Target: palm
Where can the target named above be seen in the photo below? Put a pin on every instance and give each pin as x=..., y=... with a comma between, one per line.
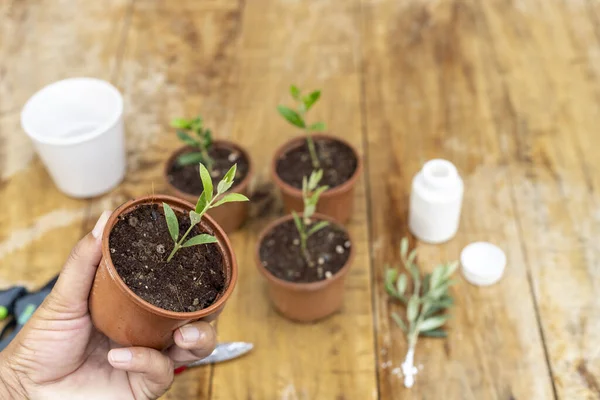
x=69, y=351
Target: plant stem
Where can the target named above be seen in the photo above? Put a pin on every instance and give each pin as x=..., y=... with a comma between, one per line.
x=178, y=244
x=303, y=247
x=408, y=366
x=312, y=150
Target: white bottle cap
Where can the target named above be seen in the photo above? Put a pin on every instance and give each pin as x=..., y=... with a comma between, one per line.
x=482, y=263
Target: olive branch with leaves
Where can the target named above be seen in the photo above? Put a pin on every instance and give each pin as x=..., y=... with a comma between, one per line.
x=206, y=201
x=311, y=192
x=201, y=140
x=425, y=306
x=297, y=118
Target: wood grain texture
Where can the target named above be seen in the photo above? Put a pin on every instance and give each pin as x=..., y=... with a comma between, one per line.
x=508, y=90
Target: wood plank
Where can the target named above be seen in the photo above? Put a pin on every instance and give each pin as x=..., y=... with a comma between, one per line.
x=553, y=86
x=38, y=224
x=332, y=359
x=428, y=95
x=178, y=60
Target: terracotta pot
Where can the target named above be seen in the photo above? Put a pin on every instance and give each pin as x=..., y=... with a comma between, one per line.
x=305, y=302
x=336, y=202
x=230, y=216
x=125, y=317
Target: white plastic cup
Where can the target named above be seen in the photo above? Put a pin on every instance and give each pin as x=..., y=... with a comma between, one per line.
x=76, y=126
x=436, y=202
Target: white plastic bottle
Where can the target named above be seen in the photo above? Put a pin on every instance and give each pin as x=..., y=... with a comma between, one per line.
x=435, y=202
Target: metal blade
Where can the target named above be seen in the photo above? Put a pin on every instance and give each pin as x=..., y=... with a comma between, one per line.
x=224, y=352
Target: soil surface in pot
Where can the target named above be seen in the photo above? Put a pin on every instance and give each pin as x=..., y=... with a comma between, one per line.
x=281, y=255
x=337, y=161
x=187, y=178
x=139, y=246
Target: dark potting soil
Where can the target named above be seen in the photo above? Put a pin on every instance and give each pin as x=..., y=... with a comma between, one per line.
x=281, y=255
x=139, y=246
x=187, y=178
x=338, y=163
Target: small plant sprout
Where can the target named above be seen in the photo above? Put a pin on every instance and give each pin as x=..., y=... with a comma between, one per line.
x=205, y=202
x=201, y=140
x=425, y=306
x=298, y=118
x=310, y=194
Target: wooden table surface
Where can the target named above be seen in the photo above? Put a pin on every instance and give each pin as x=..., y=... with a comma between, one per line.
x=507, y=90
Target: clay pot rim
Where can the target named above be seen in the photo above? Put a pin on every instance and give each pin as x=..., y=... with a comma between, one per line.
x=303, y=286
x=239, y=187
x=225, y=247
x=290, y=144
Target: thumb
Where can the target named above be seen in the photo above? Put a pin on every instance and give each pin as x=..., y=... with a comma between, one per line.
x=75, y=281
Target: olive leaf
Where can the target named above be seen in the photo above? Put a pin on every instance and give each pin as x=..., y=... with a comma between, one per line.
x=311, y=99
x=205, y=202
x=200, y=239
x=429, y=300
x=317, y=126
x=172, y=222
x=190, y=158
x=310, y=198
x=291, y=116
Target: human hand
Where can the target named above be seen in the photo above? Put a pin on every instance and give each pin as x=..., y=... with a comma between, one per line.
x=59, y=353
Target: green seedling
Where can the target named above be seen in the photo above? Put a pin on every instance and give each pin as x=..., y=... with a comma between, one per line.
x=206, y=201
x=200, y=138
x=297, y=118
x=311, y=191
x=426, y=306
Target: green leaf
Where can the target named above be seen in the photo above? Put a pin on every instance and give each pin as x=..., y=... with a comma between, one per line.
x=399, y=322
x=190, y=158
x=437, y=277
x=450, y=269
x=206, y=183
x=314, y=179
x=200, y=239
x=317, y=126
x=304, y=187
x=229, y=198
x=172, y=222
x=436, y=333
x=311, y=99
x=314, y=199
x=438, y=292
x=201, y=204
x=403, y=248
x=401, y=284
x=223, y=186
x=412, y=310
x=291, y=116
x=230, y=175
x=187, y=139
x=295, y=92
x=390, y=279
x=309, y=210
x=181, y=123
x=426, y=283
x=433, y=323
x=317, y=227
x=298, y=222
x=195, y=217
x=412, y=256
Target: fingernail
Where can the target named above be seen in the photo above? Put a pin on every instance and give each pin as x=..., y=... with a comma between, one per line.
x=190, y=333
x=120, y=355
x=99, y=227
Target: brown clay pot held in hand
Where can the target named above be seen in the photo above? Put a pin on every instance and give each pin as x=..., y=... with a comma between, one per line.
x=124, y=316
x=310, y=300
x=229, y=216
x=341, y=166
